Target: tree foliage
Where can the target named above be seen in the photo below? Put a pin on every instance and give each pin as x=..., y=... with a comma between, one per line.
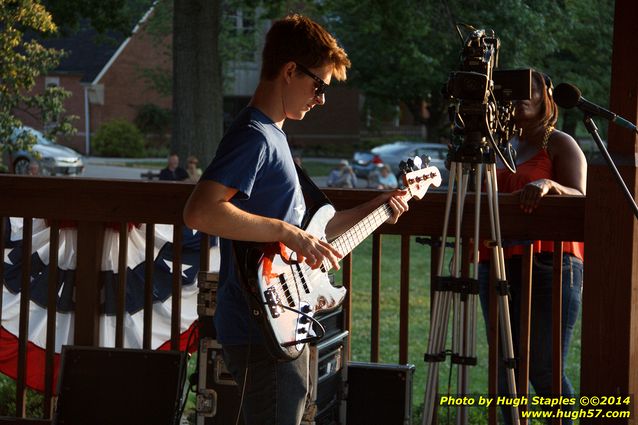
x=386, y=43
x=403, y=50
x=21, y=62
x=103, y=15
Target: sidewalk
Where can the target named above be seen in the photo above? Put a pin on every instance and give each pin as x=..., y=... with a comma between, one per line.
x=96, y=160
x=113, y=168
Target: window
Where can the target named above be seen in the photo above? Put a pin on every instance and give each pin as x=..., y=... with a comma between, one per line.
x=51, y=121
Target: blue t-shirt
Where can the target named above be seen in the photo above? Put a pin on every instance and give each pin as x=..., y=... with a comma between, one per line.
x=254, y=158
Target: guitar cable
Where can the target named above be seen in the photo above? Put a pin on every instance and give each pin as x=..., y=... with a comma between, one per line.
x=322, y=330
x=243, y=385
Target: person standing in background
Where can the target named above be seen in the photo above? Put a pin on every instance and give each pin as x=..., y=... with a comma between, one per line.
x=548, y=161
x=173, y=172
x=194, y=172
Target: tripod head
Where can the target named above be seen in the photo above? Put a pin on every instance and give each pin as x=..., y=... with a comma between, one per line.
x=482, y=109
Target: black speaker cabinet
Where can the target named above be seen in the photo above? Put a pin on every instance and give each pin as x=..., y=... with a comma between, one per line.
x=379, y=394
x=326, y=377
x=218, y=396
x=106, y=386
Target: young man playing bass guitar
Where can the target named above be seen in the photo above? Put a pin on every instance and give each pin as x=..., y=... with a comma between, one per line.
x=251, y=192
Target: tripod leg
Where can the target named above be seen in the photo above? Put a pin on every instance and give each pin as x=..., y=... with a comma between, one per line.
x=459, y=341
x=452, y=290
x=456, y=260
x=446, y=218
x=468, y=310
x=503, y=305
x=441, y=300
x=475, y=258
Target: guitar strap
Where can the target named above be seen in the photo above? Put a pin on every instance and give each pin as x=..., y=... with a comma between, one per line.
x=314, y=197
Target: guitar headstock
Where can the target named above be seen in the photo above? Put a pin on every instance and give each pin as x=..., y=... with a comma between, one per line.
x=418, y=181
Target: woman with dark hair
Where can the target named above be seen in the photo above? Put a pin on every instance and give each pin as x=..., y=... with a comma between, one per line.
x=548, y=161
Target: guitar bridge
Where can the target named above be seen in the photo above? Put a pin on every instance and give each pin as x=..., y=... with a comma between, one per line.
x=273, y=301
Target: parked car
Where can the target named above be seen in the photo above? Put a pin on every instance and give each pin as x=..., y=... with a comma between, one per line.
x=366, y=163
x=52, y=158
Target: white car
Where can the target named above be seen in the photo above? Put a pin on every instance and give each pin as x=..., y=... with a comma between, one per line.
x=365, y=163
x=53, y=159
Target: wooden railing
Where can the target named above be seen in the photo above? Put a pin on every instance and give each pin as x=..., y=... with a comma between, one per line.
x=93, y=203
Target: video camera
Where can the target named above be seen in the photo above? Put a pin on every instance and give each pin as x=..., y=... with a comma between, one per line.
x=483, y=110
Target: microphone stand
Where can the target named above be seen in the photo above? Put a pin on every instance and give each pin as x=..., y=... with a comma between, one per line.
x=593, y=130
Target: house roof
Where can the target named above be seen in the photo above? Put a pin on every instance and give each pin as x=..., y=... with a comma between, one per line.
x=87, y=52
x=90, y=53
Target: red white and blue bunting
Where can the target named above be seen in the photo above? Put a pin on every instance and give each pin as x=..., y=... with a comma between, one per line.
x=134, y=313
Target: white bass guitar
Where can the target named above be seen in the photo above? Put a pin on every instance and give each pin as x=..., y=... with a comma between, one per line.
x=285, y=295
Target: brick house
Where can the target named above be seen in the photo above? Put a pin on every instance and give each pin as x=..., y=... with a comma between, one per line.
x=106, y=82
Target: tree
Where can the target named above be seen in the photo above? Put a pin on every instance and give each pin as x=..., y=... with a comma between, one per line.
x=583, y=56
x=21, y=62
x=206, y=39
x=197, y=78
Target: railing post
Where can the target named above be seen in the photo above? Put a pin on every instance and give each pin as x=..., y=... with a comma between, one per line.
x=609, y=359
x=346, y=275
x=176, y=297
x=88, y=283
x=525, y=318
x=148, y=285
x=557, y=317
x=52, y=301
x=375, y=304
x=23, y=336
x=120, y=297
x=404, y=311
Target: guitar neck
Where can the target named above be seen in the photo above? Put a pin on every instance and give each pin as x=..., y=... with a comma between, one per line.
x=351, y=238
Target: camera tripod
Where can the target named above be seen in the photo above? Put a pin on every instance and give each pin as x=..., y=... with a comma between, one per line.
x=461, y=293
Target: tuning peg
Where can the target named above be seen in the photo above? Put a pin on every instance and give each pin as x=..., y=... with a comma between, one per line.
x=418, y=162
x=403, y=166
x=411, y=164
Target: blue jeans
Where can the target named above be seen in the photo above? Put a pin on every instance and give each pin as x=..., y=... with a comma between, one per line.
x=540, y=360
x=276, y=392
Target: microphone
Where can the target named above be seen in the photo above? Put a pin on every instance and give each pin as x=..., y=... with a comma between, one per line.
x=567, y=96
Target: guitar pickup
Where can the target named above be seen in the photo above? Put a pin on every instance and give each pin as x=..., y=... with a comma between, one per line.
x=284, y=286
x=302, y=278
x=273, y=301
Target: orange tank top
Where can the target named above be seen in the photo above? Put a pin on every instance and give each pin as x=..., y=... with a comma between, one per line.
x=538, y=167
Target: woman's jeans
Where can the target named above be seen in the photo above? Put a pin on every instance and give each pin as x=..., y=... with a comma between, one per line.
x=540, y=360
x=276, y=392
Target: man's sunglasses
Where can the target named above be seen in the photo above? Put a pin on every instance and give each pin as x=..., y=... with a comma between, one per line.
x=320, y=89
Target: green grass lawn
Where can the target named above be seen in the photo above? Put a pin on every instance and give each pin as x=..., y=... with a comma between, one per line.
x=419, y=325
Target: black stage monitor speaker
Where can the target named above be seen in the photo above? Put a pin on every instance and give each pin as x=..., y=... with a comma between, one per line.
x=379, y=394
x=106, y=386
